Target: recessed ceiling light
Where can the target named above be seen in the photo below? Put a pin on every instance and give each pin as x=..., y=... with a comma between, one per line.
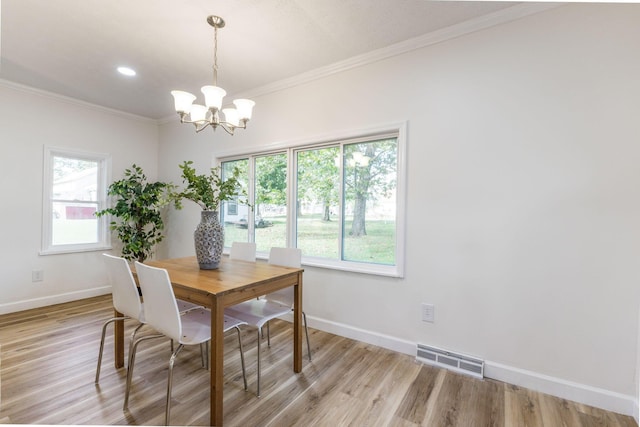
x=127, y=71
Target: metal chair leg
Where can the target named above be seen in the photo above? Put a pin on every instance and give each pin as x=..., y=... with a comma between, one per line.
x=133, y=337
x=244, y=373
x=132, y=359
x=306, y=331
x=268, y=335
x=169, y=384
x=104, y=332
x=258, y=386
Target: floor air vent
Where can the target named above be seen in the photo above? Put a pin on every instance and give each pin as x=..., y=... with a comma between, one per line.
x=449, y=360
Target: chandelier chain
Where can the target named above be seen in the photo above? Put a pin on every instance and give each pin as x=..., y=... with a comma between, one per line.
x=215, y=56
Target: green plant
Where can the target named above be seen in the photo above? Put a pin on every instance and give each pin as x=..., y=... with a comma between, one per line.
x=209, y=190
x=137, y=212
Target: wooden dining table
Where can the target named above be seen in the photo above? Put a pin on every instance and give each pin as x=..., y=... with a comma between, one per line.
x=233, y=282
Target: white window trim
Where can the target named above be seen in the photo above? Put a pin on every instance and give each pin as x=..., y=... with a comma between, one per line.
x=104, y=176
x=399, y=128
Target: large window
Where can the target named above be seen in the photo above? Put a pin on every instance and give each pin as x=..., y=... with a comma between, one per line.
x=74, y=189
x=339, y=202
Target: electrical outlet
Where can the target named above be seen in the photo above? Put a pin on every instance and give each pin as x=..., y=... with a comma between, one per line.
x=428, y=313
x=37, y=275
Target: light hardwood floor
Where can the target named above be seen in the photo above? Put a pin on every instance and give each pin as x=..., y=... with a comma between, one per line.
x=48, y=358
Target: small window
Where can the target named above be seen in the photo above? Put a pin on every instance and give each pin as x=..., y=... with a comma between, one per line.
x=74, y=190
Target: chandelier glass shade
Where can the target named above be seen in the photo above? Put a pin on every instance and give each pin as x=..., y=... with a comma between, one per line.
x=208, y=114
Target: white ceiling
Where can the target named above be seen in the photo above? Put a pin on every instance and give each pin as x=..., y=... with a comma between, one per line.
x=72, y=47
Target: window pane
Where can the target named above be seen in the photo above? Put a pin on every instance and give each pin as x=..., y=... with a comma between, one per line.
x=75, y=182
x=235, y=213
x=74, y=223
x=369, y=228
x=75, y=179
x=271, y=202
x=318, y=202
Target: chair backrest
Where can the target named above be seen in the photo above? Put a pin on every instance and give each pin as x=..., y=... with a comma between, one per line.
x=160, y=306
x=245, y=251
x=126, y=299
x=288, y=257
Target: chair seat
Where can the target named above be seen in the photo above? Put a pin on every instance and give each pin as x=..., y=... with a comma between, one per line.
x=257, y=312
x=184, y=306
x=231, y=322
x=196, y=326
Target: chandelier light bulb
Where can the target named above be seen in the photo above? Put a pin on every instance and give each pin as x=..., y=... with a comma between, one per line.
x=213, y=96
x=183, y=100
x=198, y=113
x=244, y=107
x=231, y=116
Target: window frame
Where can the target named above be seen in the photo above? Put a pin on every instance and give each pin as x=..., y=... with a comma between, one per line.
x=397, y=130
x=104, y=175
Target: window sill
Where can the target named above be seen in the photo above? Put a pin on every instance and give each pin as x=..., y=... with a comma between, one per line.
x=352, y=267
x=355, y=267
x=71, y=250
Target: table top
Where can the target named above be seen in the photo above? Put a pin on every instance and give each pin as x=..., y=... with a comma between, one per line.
x=231, y=276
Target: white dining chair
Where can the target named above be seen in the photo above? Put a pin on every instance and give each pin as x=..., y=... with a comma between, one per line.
x=190, y=328
x=258, y=312
x=245, y=251
x=126, y=300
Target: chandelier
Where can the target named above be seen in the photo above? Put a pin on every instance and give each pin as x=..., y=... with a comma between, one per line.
x=209, y=114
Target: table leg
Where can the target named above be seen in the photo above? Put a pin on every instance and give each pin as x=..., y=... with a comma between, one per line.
x=216, y=362
x=118, y=340
x=297, y=325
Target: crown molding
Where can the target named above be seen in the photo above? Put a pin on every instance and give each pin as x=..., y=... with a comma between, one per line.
x=480, y=23
x=73, y=101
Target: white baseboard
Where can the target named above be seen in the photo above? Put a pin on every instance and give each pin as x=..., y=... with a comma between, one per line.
x=53, y=299
x=369, y=337
x=585, y=394
x=588, y=395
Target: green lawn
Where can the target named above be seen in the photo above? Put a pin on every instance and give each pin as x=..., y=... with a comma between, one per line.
x=320, y=238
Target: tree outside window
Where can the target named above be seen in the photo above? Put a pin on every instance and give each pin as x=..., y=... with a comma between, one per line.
x=370, y=201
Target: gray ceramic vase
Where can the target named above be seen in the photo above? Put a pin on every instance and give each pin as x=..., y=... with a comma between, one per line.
x=209, y=240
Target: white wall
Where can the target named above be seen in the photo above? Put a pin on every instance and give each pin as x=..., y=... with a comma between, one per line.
x=28, y=121
x=523, y=197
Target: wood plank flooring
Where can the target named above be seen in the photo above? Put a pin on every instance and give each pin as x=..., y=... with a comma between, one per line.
x=48, y=358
